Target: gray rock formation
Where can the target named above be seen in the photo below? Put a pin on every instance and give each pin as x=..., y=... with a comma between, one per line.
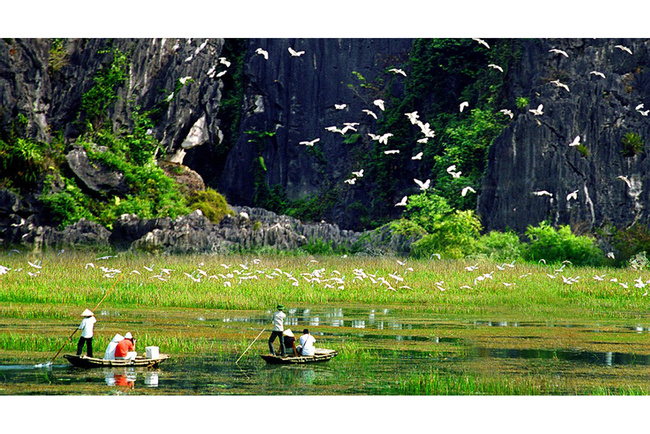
x=533, y=154
x=95, y=175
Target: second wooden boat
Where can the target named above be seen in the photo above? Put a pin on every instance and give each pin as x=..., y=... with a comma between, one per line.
x=95, y=362
x=321, y=355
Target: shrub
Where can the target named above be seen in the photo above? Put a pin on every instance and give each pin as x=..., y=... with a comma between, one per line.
x=212, y=204
x=559, y=245
x=407, y=228
x=501, y=246
x=455, y=237
x=521, y=102
x=628, y=242
x=632, y=144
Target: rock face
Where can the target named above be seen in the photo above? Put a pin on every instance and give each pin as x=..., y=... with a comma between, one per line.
x=591, y=186
x=95, y=176
x=294, y=99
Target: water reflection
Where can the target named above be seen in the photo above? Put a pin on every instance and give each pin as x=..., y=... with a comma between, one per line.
x=591, y=357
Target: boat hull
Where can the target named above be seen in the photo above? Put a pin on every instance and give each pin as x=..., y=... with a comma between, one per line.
x=321, y=355
x=94, y=362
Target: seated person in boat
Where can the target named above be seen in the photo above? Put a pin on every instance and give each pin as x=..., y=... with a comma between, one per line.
x=289, y=341
x=307, y=341
x=109, y=354
x=125, y=348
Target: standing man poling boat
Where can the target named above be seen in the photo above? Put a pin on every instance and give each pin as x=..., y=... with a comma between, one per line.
x=278, y=328
x=86, y=327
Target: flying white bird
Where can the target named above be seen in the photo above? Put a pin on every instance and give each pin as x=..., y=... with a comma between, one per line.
x=423, y=140
x=621, y=47
x=384, y=138
x=423, y=185
x=402, y=202
x=466, y=190
x=482, y=42
x=295, y=53
x=576, y=141
x=392, y=151
x=452, y=171
x=358, y=174
x=369, y=113
x=262, y=53
x=413, y=117
x=397, y=71
x=463, y=105
x=611, y=255
x=418, y=156
x=639, y=107
x=351, y=181
x=507, y=113
x=538, y=111
x=309, y=143
x=573, y=195
x=335, y=129
x=556, y=51
x=379, y=103
x=497, y=67
x=599, y=74
x=625, y=179
x=542, y=193
x=36, y=265
x=222, y=73
x=558, y=84
x=340, y=106
x=224, y=61
x=183, y=80
x=644, y=112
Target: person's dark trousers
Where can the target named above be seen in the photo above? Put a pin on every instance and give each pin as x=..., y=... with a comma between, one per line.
x=276, y=334
x=89, y=346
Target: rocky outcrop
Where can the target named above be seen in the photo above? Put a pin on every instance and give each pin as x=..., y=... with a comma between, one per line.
x=590, y=186
x=95, y=175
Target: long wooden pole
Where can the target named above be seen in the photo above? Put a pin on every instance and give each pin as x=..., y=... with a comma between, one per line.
x=75, y=330
x=258, y=336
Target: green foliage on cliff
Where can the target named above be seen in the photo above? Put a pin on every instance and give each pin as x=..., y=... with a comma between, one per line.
x=555, y=245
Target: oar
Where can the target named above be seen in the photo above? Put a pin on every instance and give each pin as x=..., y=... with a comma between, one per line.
x=258, y=336
x=75, y=330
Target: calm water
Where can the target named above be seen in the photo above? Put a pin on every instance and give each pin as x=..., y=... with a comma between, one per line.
x=398, y=344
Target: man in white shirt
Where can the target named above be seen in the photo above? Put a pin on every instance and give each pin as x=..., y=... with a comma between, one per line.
x=307, y=342
x=278, y=328
x=86, y=328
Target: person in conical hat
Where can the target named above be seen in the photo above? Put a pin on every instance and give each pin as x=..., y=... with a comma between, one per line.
x=125, y=349
x=289, y=341
x=86, y=327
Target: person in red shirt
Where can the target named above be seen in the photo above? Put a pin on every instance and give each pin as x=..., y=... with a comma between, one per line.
x=125, y=346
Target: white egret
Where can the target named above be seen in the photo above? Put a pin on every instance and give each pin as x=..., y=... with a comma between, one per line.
x=262, y=53
x=452, y=171
x=573, y=195
x=351, y=181
x=542, y=193
x=423, y=140
x=384, y=138
x=624, y=48
x=639, y=107
x=391, y=151
x=497, y=67
x=309, y=142
x=559, y=84
x=463, y=105
x=482, y=42
x=599, y=74
x=340, y=106
x=538, y=111
x=417, y=156
x=556, y=51
x=397, y=71
x=295, y=53
x=507, y=112
x=466, y=190
x=576, y=141
x=358, y=174
x=224, y=61
x=402, y=202
x=379, y=103
x=369, y=113
x=413, y=117
x=423, y=185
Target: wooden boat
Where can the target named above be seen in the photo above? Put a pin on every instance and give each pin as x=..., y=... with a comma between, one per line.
x=95, y=362
x=320, y=355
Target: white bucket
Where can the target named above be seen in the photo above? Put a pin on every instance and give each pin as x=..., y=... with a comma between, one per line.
x=152, y=352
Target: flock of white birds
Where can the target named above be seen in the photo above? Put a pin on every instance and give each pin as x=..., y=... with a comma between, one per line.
x=315, y=276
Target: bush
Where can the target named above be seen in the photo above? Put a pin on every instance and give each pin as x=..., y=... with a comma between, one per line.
x=212, y=204
x=501, y=246
x=632, y=144
x=559, y=245
x=455, y=237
